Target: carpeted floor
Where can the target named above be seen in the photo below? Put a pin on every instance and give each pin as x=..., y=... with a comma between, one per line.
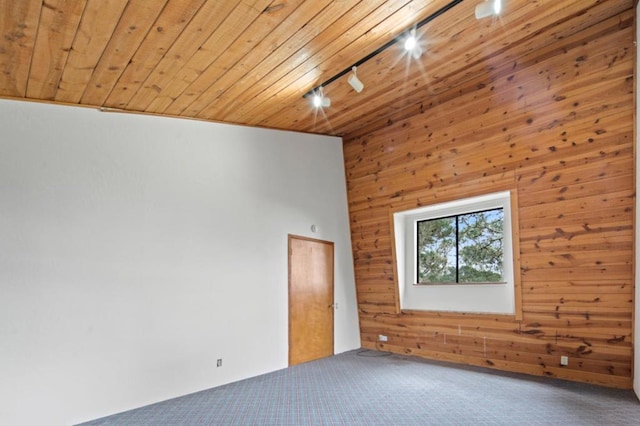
x=368, y=388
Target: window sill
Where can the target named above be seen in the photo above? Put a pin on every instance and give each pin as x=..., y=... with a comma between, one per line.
x=460, y=314
x=456, y=284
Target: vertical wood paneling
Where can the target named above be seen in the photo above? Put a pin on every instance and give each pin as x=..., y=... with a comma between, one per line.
x=559, y=121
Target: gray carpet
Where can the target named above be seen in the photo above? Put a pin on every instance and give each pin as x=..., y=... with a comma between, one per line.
x=366, y=388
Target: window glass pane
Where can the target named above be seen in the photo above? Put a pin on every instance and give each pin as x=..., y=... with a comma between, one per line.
x=437, y=250
x=480, y=246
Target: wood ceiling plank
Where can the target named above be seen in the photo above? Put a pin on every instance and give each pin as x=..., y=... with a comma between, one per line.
x=59, y=20
x=235, y=37
x=449, y=40
x=340, y=34
x=520, y=55
x=269, y=53
x=334, y=53
x=171, y=23
x=230, y=66
x=575, y=21
x=18, y=27
x=208, y=18
x=556, y=26
x=389, y=75
x=182, y=57
x=98, y=21
x=136, y=22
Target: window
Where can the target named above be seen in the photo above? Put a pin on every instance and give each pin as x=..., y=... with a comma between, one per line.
x=456, y=256
x=464, y=248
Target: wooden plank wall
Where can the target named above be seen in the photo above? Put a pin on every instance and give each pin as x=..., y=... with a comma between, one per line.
x=556, y=127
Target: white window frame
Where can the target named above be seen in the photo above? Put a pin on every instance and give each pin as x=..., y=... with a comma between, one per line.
x=487, y=298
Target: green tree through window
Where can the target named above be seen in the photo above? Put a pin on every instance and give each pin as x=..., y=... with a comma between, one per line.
x=465, y=248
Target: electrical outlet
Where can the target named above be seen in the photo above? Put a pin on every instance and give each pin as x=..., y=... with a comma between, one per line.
x=382, y=338
x=564, y=360
x=219, y=362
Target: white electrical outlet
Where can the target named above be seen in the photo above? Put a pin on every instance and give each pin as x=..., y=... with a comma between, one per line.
x=382, y=338
x=564, y=360
x=219, y=362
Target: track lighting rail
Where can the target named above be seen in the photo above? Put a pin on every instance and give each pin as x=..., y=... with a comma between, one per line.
x=384, y=47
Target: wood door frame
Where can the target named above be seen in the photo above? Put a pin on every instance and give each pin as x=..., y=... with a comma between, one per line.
x=331, y=288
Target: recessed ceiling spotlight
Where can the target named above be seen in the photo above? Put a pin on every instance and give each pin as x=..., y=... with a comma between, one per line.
x=355, y=82
x=488, y=8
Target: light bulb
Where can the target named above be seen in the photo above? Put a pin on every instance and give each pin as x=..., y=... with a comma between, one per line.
x=410, y=43
x=497, y=6
x=320, y=101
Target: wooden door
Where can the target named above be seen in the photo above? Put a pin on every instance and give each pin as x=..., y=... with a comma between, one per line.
x=310, y=299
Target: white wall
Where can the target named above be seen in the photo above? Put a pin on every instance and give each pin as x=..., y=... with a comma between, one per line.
x=636, y=332
x=136, y=250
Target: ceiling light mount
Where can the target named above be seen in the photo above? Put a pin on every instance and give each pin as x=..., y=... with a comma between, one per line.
x=410, y=42
x=354, y=81
x=412, y=46
x=319, y=100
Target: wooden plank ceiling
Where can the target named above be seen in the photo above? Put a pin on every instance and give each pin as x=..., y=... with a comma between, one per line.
x=251, y=61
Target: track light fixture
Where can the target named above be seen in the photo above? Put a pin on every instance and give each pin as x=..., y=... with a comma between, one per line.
x=412, y=46
x=410, y=42
x=415, y=51
x=355, y=82
x=320, y=100
x=488, y=8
